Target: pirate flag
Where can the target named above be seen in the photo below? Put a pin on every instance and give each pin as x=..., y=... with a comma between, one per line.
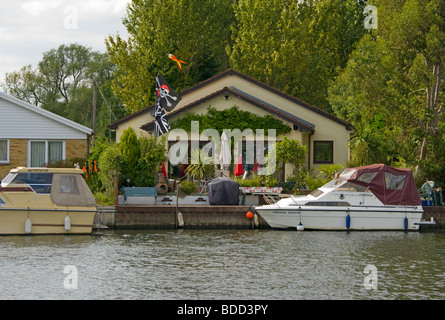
x=165, y=95
x=161, y=122
x=166, y=100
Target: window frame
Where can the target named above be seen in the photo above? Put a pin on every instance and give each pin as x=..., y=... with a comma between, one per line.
x=7, y=161
x=316, y=144
x=46, y=149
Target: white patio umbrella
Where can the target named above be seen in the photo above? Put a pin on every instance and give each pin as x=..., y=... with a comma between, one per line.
x=224, y=154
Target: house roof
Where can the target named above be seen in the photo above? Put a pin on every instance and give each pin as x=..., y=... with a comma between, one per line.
x=45, y=113
x=302, y=124
x=242, y=95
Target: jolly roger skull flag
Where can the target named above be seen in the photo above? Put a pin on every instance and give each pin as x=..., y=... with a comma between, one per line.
x=166, y=100
x=161, y=122
x=166, y=97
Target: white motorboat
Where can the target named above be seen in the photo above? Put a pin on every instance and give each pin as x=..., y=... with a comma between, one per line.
x=374, y=197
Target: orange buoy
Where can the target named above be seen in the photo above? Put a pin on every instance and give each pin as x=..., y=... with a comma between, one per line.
x=249, y=215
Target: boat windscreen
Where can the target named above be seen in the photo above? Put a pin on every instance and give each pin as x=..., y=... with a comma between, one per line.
x=352, y=187
x=333, y=183
x=38, y=181
x=347, y=173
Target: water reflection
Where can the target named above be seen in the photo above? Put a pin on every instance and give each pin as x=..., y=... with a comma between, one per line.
x=224, y=264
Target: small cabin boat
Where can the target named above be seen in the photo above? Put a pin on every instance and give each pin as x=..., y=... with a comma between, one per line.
x=374, y=197
x=46, y=201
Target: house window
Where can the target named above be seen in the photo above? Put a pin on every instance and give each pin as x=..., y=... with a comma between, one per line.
x=323, y=151
x=4, y=151
x=41, y=152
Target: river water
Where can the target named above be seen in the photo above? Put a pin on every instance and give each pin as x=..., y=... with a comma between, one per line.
x=224, y=264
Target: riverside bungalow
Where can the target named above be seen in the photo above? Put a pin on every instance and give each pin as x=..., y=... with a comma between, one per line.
x=325, y=135
x=31, y=136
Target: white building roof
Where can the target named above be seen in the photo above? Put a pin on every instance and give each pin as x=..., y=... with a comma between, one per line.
x=21, y=120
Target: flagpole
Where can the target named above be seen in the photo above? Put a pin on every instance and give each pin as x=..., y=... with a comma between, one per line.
x=166, y=101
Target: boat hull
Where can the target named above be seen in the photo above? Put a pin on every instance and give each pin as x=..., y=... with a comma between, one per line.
x=44, y=221
x=342, y=219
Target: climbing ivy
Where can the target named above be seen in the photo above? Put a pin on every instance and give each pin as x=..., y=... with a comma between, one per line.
x=232, y=118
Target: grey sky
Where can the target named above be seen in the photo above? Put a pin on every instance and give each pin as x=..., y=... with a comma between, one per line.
x=28, y=28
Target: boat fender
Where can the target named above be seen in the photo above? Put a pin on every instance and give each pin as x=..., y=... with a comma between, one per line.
x=348, y=221
x=300, y=227
x=256, y=220
x=180, y=220
x=28, y=225
x=405, y=223
x=67, y=223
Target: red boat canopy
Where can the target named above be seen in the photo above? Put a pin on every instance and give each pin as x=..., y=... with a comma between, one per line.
x=390, y=185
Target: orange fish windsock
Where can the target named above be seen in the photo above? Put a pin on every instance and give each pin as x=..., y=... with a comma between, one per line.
x=176, y=59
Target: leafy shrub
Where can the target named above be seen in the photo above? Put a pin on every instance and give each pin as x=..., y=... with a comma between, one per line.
x=188, y=187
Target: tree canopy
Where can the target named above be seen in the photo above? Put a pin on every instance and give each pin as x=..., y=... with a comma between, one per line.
x=62, y=83
x=296, y=46
x=392, y=88
x=195, y=31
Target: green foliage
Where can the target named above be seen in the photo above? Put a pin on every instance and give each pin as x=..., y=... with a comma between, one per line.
x=153, y=153
x=293, y=45
x=392, y=88
x=270, y=181
x=290, y=151
x=110, y=162
x=314, y=182
x=252, y=181
x=195, y=31
x=62, y=83
x=130, y=150
x=91, y=175
x=188, y=187
x=293, y=152
x=232, y=118
x=141, y=158
x=328, y=170
x=257, y=181
x=141, y=165
x=283, y=43
x=200, y=165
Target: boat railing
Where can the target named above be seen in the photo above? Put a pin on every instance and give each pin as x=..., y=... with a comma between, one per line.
x=273, y=198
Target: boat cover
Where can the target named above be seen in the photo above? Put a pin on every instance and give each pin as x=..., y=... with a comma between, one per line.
x=223, y=191
x=71, y=190
x=390, y=185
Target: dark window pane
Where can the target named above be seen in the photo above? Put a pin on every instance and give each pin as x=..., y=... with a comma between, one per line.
x=323, y=151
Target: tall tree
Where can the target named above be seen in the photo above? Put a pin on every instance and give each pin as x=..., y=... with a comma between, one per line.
x=396, y=76
x=193, y=30
x=296, y=46
x=62, y=83
x=25, y=84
